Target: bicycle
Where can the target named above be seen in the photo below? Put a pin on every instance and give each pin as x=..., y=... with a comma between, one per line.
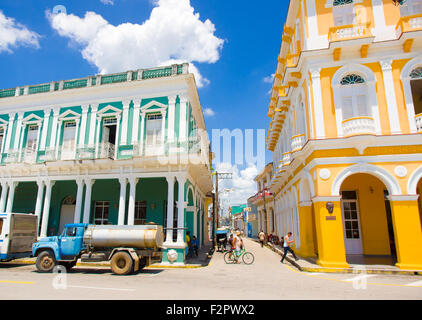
x=247, y=257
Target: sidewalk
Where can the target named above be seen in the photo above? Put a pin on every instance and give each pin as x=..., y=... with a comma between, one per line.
x=194, y=262
x=310, y=265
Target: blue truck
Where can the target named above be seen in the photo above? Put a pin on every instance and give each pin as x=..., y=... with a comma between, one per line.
x=128, y=248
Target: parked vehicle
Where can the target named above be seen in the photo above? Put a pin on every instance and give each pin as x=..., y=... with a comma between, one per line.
x=18, y=233
x=128, y=248
x=222, y=238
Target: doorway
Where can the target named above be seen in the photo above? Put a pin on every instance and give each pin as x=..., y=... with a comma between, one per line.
x=351, y=222
x=108, y=141
x=67, y=213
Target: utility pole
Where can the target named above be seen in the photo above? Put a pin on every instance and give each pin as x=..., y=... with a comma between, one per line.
x=224, y=176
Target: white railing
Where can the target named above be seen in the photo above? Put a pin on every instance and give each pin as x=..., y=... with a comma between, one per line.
x=12, y=156
x=287, y=158
x=67, y=154
x=416, y=23
x=107, y=150
x=352, y=32
x=358, y=125
x=298, y=142
x=29, y=155
x=418, y=119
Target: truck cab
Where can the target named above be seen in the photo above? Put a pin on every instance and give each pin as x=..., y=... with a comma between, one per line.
x=64, y=249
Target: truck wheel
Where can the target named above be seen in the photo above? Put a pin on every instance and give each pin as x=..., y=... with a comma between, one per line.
x=122, y=263
x=45, y=262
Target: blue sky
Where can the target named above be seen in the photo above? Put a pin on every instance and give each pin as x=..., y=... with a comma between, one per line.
x=233, y=71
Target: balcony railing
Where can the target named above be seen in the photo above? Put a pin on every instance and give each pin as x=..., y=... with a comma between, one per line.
x=29, y=155
x=194, y=146
x=409, y=23
x=418, y=119
x=287, y=158
x=349, y=32
x=138, y=75
x=298, y=142
x=107, y=150
x=358, y=125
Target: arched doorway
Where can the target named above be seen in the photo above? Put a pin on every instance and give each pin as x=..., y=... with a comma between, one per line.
x=367, y=221
x=67, y=212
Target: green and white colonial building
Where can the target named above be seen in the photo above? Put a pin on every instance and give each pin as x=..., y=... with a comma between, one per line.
x=122, y=149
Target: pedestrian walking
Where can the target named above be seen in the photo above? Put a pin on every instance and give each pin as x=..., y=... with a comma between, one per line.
x=194, y=245
x=286, y=246
x=261, y=237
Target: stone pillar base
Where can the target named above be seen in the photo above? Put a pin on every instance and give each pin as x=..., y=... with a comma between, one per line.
x=174, y=253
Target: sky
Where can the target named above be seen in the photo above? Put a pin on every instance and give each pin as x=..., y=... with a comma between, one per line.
x=232, y=47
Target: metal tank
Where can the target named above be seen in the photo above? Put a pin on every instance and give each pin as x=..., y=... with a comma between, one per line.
x=140, y=237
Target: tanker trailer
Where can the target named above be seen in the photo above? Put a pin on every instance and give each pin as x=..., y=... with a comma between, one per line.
x=128, y=248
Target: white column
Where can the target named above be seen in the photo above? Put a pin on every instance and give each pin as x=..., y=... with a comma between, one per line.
x=60, y=124
x=12, y=188
x=97, y=140
x=131, y=210
x=125, y=121
x=393, y=114
x=142, y=142
x=9, y=131
x=56, y=112
x=46, y=212
x=79, y=196
x=116, y=148
x=45, y=128
x=163, y=127
x=38, y=204
x=21, y=131
x=88, y=192
x=183, y=118
x=92, y=125
x=195, y=222
x=318, y=108
x=122, y=201
x=3, y=199
x=82, y=131
x=201, y=228
x=170, y=209
x=181, y=209
x=172, y=111
x=135, y=126
x=18, y=131
x=75, y=150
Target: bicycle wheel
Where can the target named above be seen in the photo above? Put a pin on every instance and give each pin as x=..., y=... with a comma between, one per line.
x=248, y=258
x=229, y=257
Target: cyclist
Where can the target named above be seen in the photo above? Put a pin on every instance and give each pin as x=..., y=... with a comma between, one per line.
x=237, y=246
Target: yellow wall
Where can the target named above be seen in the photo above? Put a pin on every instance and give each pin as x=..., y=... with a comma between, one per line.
x=391, y=13
x=373, y=216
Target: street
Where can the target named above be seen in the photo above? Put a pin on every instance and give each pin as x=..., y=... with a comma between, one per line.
x=266, y=279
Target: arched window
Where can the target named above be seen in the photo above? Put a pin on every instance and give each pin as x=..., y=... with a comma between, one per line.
x=354, y=97
x=416, y=73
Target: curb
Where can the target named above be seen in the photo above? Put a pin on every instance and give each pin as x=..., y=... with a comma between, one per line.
x=343, y=270
x=92, y=264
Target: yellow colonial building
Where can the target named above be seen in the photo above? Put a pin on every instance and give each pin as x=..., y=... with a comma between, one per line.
x=345, y=131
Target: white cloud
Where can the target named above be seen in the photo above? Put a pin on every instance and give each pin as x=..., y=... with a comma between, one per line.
x=269, y=79
x=242, y=182
x=107, y=2
x=208, y=112
x=173, y=33
x=13, y=34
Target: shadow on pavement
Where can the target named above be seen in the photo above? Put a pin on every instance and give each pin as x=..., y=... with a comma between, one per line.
x=202, y=259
